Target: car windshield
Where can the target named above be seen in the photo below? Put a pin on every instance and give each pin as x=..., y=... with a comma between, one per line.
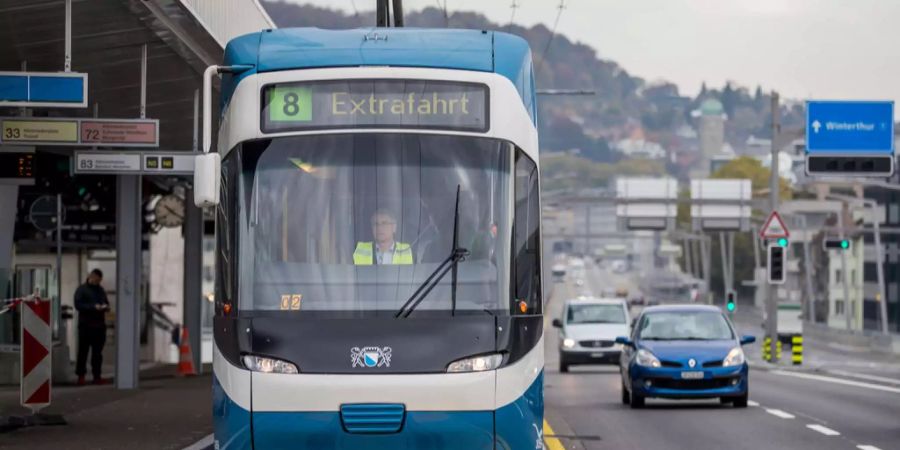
x=684, y=325
x=595, y=314
x=357, y=222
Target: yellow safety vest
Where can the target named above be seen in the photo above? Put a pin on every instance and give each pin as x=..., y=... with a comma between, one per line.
x=364, y=256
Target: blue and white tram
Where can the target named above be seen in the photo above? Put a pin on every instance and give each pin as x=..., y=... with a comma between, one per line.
x=378, y=241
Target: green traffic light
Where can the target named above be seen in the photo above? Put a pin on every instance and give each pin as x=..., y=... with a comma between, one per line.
x=783, y=242
x=730, y=306
x=845, y=244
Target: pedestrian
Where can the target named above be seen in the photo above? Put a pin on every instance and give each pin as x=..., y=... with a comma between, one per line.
x=92, y=304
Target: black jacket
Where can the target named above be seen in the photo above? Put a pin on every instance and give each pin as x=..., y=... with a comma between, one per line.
x=87, y=297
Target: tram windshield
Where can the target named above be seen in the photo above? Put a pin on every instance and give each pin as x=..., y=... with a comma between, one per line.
x=358, y=222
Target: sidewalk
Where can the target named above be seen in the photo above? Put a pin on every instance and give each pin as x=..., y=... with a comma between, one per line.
x=167, y=412
x=819, y=355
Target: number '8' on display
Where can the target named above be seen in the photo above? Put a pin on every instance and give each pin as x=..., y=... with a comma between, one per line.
x=290, y=104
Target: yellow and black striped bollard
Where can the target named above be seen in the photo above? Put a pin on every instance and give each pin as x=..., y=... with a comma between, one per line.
x=766, y=354
x=797, y=349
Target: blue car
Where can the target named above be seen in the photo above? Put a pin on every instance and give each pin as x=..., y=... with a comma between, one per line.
x=684, y=352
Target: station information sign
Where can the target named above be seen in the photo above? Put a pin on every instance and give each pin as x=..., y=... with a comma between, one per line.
x=134, y=163
x=44, y=89
x=17, y=168
x=31, y=131
x=80, y=132
x=375, y=103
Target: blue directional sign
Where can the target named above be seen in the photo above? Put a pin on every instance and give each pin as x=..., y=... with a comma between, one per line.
x=43, y=89
x=850, y=127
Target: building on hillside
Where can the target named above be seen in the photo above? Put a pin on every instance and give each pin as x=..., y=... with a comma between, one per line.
x=639, y=148
x=757, y=147
x=711, y=130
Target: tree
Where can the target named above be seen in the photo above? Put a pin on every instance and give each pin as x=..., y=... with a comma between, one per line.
x=750, y=168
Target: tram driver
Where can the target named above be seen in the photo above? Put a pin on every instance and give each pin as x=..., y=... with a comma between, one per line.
x=384, y=249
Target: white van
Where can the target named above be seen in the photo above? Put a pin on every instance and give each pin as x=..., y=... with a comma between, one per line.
x=588, y=329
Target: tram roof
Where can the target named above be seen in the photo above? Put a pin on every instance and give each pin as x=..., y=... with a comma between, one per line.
x=309, y=48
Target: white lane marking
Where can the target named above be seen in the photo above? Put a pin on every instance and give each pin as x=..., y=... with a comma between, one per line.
x=864, y=376
x=780, y=413
x=867, y=447
x=202, y=444
x=752, y=403
x=823, y=429
x=876, y=387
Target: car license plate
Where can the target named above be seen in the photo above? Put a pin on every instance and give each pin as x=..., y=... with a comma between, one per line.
x=598, y=355
x=691, y=375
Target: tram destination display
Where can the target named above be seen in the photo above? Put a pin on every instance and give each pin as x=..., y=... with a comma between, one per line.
x=382, y=103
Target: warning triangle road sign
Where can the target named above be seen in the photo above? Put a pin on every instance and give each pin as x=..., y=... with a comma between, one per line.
x=774, y=227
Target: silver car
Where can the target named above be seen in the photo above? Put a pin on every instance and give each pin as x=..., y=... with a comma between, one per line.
x=588, y=329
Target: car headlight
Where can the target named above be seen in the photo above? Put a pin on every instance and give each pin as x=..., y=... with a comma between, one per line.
x=735, y=358
x=476, y=364
x=268, y=365
x=568, y=343
x=646, y=359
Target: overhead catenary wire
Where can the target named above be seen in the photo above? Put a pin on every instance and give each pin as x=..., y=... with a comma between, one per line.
x=356, y=12
x=559, y=9
x=512, y=17
x=443, y=9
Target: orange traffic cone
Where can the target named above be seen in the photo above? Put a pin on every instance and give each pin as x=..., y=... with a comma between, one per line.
x=185, y=356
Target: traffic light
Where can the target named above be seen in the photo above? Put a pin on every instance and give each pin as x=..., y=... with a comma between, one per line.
x=836, y=244
x=730, y=301
x=783, y=242
x=776, y=262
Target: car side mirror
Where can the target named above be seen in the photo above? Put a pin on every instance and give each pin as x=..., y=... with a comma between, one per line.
x=633, y=322
x=557, y=323
x=624, y=341
x=747, y=339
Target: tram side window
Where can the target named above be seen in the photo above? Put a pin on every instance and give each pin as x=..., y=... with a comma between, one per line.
x=224, y=282
x=526, y=239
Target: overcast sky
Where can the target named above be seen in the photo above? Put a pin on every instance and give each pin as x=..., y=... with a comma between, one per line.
x=834, y=49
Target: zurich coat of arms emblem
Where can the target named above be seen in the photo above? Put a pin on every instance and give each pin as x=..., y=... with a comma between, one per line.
x=370, y=357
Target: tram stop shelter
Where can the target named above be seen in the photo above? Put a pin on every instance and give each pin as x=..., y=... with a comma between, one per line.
x=139, y=62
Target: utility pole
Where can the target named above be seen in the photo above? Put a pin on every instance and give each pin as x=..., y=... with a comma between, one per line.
x=774, y=193
x=844, y=268
x=807, y=257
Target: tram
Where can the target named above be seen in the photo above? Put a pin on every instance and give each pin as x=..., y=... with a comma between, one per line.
x=378, y=279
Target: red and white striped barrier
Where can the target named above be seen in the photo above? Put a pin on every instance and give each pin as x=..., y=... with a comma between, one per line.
x=35, y=357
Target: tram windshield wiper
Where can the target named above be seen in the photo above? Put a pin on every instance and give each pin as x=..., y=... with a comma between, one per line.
x=457, y=254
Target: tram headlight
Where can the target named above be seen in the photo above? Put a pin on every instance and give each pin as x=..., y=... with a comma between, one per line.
x=268, y=365
x=476, y=364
